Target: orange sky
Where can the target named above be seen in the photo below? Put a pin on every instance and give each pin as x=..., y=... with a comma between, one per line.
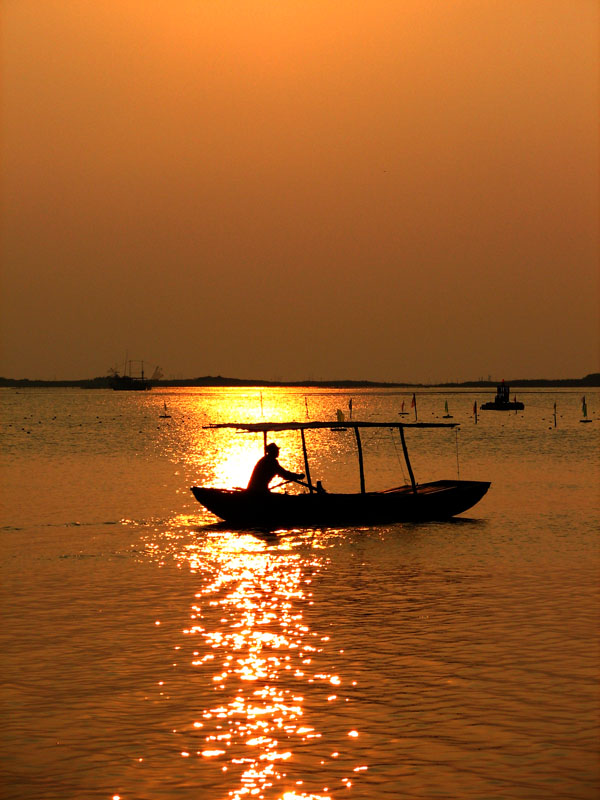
x=281, y=189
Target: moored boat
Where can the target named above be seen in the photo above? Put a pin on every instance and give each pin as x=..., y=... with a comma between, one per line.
x=436, y=500
x=127, y=381
x=502, y=401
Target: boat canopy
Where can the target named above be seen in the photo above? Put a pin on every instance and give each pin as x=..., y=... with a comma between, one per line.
x=265, y=427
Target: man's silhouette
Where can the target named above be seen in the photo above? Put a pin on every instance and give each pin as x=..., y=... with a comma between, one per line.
x=267, y=468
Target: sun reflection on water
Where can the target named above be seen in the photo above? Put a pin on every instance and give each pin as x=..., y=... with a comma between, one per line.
x=248, y=638
x=265, y=678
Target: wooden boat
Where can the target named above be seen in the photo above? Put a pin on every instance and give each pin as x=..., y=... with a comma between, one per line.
x=502, y=401
x=437, y=500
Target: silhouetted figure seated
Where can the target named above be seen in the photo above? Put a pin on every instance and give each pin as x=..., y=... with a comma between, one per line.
x=267, y=468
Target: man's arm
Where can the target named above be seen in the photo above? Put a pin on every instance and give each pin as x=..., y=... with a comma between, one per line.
x=290, y=476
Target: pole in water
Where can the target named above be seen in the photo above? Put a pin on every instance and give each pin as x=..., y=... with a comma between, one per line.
x=555, y=415
x=306, y=405
x=262, y=412
x=475, y=411
x=584, y=411
x=414, y=405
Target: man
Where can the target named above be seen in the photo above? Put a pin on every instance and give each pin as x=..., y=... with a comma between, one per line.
x=267, y=468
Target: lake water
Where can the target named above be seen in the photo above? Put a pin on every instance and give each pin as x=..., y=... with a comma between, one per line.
x=149, y=655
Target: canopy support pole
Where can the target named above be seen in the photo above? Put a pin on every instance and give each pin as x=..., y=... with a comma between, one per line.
x=265, y=442
x=406, y=458
x=361, y=466
x=306, y=467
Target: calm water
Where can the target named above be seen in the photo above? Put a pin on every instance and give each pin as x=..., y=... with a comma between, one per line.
x=149, y=655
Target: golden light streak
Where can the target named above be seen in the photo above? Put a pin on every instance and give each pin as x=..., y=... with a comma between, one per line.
x=250, y=640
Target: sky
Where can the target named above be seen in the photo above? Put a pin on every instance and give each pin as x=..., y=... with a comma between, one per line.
x=387, y=190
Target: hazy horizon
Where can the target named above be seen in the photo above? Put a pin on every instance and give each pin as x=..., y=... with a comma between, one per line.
x=259, y=380
x=301, y=191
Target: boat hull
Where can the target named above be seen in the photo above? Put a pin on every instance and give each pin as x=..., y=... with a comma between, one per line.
x=439, y=500
x=511, y=406
x=125, y=383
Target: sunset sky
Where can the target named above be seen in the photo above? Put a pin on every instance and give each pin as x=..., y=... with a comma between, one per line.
x=376, y=189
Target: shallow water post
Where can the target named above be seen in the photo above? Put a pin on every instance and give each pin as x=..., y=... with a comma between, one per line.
x=306, y=467
x=406, y=458
x=361, y=466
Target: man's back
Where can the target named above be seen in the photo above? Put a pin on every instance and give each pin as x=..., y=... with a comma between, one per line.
x=266, y=469
x=263, y=473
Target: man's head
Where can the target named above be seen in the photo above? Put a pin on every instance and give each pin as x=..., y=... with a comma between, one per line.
x=272, y=450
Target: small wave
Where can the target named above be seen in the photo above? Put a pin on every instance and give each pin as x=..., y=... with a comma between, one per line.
x=12, y=528
x=81, y=555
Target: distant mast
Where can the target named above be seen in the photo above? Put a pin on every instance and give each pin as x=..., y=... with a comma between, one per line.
x=129, y=382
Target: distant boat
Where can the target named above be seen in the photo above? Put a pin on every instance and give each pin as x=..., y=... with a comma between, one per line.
x=166, y=415
x=127, y=381
x=403, y=413
x=414, y=502
x=584, y=411
x=447, y=415
x=502, y=401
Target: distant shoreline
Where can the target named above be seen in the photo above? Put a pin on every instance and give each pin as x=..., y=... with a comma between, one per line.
x=209, y=381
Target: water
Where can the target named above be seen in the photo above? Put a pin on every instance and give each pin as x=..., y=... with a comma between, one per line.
x=149, y=655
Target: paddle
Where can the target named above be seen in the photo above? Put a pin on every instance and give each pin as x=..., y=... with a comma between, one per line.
x=282, y=483
x=292, y=480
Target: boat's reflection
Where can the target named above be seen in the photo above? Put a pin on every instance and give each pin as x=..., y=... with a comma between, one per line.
x=268, y=535
x=277, y=536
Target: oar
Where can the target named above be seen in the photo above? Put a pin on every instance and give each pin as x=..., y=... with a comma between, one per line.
x=292, y=480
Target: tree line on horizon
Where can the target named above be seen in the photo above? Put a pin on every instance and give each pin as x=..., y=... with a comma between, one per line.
x=103, y=382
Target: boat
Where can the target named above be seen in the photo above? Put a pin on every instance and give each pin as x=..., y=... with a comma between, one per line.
x=127, y=381
x=502, y=401
x=414, y=502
